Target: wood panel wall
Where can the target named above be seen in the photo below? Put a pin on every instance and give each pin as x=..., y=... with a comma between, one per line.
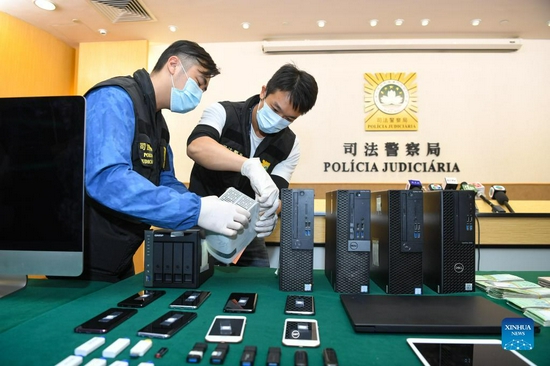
x=98, y=61
x=34, y=63
x=514, y=191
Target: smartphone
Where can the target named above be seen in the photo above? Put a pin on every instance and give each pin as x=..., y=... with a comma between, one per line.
x=141, y=299
x=241, y=302
x=299, y=304
x=190, y=300
x=105, y=321
x=167, y=325
x=301, y=333
x=229, y=329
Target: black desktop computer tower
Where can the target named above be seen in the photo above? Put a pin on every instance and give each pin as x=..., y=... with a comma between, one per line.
x=296, y=247
x=176, y=259
x=347, y=240
x=449, y=245
x=397, y=233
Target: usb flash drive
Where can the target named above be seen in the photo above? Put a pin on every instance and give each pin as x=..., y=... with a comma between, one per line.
x=218, y=355
x=329, y=357
x=71, y=361
x=196, y=354
x=300, y=358
x=88, y=347
x=116, y=347
x=273, y=356
x=248, y=356
x=141, y=348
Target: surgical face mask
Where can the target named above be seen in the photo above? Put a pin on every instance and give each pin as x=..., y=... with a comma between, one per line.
x=187, y=99
x=270, y=122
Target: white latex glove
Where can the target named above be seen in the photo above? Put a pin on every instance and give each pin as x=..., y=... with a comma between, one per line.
x=267, y=193
x=264, y=227
x=222, y=217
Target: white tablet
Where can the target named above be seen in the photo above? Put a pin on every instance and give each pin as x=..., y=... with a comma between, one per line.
x=471, y=352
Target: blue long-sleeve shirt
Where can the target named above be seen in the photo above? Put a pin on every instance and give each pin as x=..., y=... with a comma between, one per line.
x=109, y=178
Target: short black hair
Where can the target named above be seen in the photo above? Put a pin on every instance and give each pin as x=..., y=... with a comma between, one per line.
x=188, y=50
x=300, y=85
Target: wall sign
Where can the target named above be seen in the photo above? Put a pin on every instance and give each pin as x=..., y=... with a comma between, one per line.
x=391, y=102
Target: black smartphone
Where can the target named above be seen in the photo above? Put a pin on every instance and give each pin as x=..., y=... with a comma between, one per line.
x=141, y=299
x=167, y=325
x=190, y=300
x=241, y=302
x=299, y=304
x=105, y=321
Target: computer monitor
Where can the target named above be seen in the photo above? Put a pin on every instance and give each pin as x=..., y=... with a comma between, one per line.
x=41, y=188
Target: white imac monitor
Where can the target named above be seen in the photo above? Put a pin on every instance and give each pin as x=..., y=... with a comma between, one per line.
x=41, y=188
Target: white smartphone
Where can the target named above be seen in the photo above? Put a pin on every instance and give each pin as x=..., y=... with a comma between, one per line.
x=229, y=329
x=301, y=333
x=471, y=352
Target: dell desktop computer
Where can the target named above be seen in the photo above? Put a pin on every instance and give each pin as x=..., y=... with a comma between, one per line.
x=347, y=240
x=449, y=241
x=296, y=246
x=397, y=233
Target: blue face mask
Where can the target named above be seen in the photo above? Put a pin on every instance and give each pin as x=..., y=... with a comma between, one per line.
x=270, y=122
x=187, y=99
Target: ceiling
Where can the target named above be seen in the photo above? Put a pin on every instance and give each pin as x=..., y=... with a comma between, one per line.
x=210, y=21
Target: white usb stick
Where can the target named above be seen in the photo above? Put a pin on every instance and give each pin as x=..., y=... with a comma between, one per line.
x=141, y=348
x=116, y=347
x=119, y=363
x=72, y=360
x=97, y=362
x=88, y=347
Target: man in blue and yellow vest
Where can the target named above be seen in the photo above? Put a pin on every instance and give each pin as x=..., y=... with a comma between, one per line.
x=130, y=180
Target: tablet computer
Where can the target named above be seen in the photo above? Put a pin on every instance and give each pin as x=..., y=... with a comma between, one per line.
x=470, y=352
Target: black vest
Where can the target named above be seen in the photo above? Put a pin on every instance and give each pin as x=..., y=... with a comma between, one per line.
x=235, y=136
x=112, y=238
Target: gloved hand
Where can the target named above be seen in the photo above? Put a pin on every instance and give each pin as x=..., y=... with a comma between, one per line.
x=267, y=193
x=222, y=217
x=264, y=227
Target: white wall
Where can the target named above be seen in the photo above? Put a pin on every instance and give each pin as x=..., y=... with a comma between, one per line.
x=488, y=111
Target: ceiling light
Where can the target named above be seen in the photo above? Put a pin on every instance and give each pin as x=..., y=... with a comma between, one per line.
x=172, y=28
x=321, y=23
x=102, y=31
x=548, y=23
x=399, y=22
x=245, y=25
x=373, y=22
x=475, y=22
x=44, y=4
x=425, y=22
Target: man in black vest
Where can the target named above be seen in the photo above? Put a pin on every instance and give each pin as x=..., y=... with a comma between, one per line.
x=130, y=180
x=249, y=145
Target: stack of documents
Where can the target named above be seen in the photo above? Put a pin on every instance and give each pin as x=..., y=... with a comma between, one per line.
x=544, y=281
x=505, y=286
x=541, y=316
x=525, y=303
x=485, y=281
x=505, y=290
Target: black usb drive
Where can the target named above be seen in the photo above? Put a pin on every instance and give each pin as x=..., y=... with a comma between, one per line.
x=329, y=357
x=249, y=354
x=273, y=356
x=218, y=354
x=196, y=354
x=300, y=358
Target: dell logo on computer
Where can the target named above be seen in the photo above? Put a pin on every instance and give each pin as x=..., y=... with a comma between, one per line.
x=459, y=268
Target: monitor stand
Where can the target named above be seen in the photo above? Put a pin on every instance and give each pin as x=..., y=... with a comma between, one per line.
x=11, y=283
